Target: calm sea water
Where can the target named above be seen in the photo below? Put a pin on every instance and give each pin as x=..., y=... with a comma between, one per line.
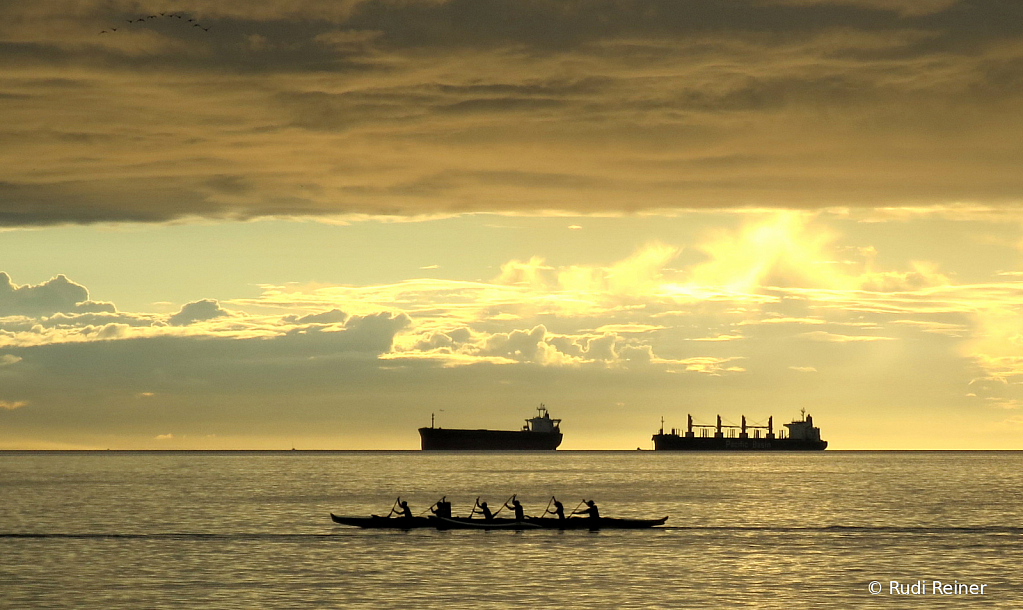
x=137, y=530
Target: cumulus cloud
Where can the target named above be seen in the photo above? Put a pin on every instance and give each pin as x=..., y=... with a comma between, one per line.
x=197, y=311
x=540, y=346
x=334, y=316
x=112, y=331
x=58, y=294
x=373, y=333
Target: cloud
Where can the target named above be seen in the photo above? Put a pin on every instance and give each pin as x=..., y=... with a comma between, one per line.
x=427, y=108
x=334, y=316
x=78, y=320
x=924, y=275
x=781, y=320
x=781, y=249
x=197, y=311
x=710, y=365
x=529, y=273
x=10, y=406
x=606, y=348
x=902, y=7
x=628, y=328
x=931, y=326
x=637, y=276
x=113, y=331
x=820, y=335
x=372, y=333
x=803, y=369
x=58, y=294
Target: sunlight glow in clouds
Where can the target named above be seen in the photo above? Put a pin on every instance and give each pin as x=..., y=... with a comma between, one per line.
x=337, y=216
x=780, y=291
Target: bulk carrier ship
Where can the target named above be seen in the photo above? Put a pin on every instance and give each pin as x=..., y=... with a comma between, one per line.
x=802, y=436
x=539, y=434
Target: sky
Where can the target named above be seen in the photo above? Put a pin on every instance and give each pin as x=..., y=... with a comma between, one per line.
x=235, y=225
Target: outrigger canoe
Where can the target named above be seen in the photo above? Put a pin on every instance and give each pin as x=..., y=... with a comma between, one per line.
x=582, y=523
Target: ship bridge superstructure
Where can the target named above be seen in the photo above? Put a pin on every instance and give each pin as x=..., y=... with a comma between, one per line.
x=542, y=422
x=804, y=428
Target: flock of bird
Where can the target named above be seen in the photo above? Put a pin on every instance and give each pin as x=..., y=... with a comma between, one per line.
x=194, y=23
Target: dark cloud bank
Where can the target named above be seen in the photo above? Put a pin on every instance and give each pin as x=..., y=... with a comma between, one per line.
x=424, y=107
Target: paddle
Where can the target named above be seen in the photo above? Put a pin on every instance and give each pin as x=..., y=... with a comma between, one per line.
x=573, y=513
x=505, y=505
x=431, y=506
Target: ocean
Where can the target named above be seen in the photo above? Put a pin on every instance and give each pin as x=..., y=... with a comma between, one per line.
x=140, y=530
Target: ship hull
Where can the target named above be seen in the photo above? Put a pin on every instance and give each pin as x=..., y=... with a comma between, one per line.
x=446, y=439
x=674, y=442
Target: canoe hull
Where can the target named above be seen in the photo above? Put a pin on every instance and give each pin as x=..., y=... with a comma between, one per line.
x=587, y=523
x=458, y=523
x=582, y=523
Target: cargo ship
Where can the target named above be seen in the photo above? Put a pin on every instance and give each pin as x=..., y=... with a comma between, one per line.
x=541, y=433
x=802, y=435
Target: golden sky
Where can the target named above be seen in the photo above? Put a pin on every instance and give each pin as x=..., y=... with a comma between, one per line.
x=233, y=224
